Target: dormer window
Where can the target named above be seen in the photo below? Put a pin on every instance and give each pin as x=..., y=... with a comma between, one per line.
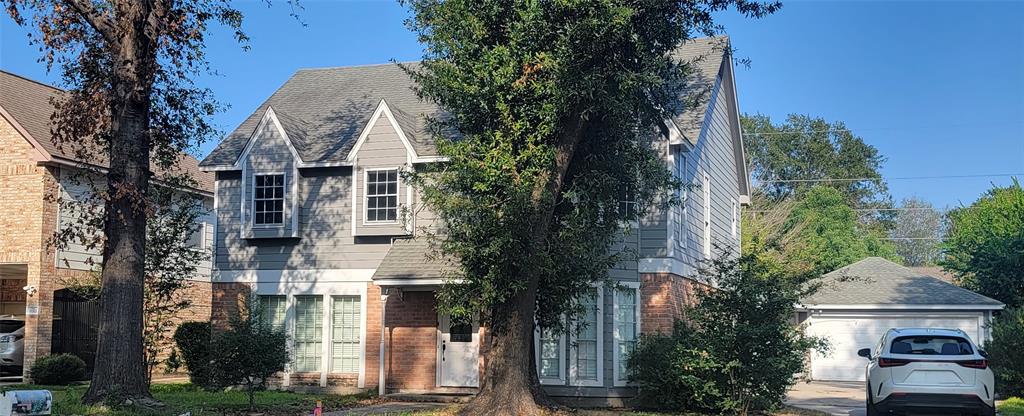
x=382, y=195
x=268, y=200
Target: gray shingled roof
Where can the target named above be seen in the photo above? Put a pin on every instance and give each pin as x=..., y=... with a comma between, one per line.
x=28, y=102
x=704, y=57
x=332, y=105
x=414, y=259
x=877, y=281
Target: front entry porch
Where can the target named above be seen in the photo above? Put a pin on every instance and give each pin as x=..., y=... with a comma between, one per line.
x=426, y=352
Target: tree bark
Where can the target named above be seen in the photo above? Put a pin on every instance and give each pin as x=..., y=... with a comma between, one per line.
x=120, y=371
x=511, y=386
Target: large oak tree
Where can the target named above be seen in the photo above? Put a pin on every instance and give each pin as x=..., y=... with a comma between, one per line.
x=131, y=107
x=550, y=108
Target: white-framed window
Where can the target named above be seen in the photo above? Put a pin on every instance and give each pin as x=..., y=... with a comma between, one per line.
x=309, y=318
x=626, y=323
x=682, y=194
x=197, y=238
x=268, y=194
x=587, y=345
x=706, y=185
x=735, y=218
x=345, y=330
x=550, y=351
x=275, y=310
x=381, y=199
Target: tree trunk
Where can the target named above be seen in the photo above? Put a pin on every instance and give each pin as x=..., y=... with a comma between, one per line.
x=120, y=371
x=511, y=386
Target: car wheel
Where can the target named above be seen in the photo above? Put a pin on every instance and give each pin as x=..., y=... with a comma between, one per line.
x=870, y=404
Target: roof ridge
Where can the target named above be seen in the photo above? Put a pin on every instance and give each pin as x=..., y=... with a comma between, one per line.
x=32, y=80
x=327, y=68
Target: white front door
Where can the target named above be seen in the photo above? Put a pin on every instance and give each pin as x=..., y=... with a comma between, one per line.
x=458, y=352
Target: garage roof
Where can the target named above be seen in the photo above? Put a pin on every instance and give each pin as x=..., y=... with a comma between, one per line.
x=874, y=283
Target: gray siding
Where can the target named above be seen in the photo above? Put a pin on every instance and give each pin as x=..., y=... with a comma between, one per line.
x=75, y=191
x=325, y=238
x=713, y=154
x=383, y=149
x=269, y=155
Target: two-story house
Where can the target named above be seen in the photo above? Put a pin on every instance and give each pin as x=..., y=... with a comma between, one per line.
x=40, y=184
x=313, y=217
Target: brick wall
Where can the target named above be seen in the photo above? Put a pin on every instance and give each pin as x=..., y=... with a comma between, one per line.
x=665, y=297
x=23, y=234
x=411, y=339
x=227, y=301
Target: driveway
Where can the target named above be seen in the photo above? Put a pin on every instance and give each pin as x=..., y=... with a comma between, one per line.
x=835, y=398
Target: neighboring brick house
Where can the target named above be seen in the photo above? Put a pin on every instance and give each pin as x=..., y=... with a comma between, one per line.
x=35, y=175
x=314, y=218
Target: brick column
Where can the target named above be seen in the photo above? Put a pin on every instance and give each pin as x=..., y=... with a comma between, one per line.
x=665, y=297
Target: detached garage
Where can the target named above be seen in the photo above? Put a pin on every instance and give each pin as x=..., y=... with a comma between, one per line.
x=858, y=303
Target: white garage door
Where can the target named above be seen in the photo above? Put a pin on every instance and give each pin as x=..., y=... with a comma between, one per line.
x=849, y=333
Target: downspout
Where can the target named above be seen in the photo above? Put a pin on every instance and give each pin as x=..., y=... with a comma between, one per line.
x=383, y=330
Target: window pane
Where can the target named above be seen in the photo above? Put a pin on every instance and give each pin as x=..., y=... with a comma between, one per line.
x=274, y=310
x=309, y=313
x=345, y=322
x=586, y=338
x=625, y=328
x=382, y=195
x=550, y=354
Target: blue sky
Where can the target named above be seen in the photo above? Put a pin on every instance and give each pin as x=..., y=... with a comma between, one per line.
x=938, y=87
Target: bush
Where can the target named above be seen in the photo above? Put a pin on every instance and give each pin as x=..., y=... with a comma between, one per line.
x=249, y=353
x=57, y=370
x=1006, y=352
x=193, y=339
x=738, y=351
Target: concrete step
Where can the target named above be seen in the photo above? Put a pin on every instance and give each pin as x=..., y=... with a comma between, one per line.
x=430, y=397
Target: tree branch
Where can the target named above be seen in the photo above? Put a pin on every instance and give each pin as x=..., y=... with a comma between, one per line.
x=97, y=20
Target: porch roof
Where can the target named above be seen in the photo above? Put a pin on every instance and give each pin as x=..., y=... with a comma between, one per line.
x=414, y=261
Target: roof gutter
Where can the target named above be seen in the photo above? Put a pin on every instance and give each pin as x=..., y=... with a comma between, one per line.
x=901, y=307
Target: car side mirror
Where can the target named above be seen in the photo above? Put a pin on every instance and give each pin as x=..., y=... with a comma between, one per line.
x=864, y=352
x=983, y=353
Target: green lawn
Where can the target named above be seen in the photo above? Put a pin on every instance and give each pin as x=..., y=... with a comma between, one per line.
x=1011, y=407
x=181, y=398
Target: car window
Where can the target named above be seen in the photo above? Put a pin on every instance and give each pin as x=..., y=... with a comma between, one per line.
x=931, y=345
x=8, y=326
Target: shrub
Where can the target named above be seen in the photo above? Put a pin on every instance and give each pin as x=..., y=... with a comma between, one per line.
x=738, y=350
x=249, y=353
x=193, y=339
x=1006, y=352
x=59, y=370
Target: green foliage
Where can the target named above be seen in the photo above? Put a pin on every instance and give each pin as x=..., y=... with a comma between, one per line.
x=984, y=247
x=805, y=147
x=193, y=340
x=737, y=351
x=816, y=234
x=57, y=370
x=1006, y=352
x=249, y=352
x=550, y=108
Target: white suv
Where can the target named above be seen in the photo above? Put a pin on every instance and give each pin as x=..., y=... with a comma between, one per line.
x=921, y=369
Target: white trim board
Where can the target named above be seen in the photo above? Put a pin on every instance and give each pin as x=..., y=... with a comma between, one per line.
x=291, y=276
x=665, y=265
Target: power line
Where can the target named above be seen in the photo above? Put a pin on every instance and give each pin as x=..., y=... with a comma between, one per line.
x=870, y=209
x=779, y=133
x=879, y=178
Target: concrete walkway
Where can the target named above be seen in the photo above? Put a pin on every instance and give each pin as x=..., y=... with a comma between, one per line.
x=834, y=398
x=390, y=408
